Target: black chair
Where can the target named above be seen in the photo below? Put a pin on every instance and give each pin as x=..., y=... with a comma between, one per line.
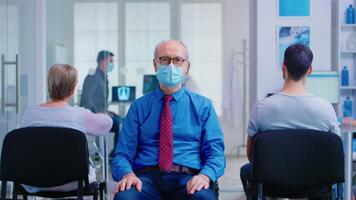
x=46, y=157
x=297, y=163
x=216, y=189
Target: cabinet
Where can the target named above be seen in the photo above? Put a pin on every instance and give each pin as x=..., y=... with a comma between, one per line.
x=346, y=54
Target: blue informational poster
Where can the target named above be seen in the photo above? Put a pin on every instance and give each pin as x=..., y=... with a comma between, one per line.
x=288, y=35
x=294, y=8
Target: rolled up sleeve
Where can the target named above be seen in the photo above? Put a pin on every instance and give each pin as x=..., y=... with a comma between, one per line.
x=125, y=150
x=214, y=162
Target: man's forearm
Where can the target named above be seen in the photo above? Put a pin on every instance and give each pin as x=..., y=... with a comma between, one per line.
x=214, y=164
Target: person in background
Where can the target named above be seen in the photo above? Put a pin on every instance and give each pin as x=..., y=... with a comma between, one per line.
x=171, y=145
x=291, y=108
x=95, y=91
x=62, y=80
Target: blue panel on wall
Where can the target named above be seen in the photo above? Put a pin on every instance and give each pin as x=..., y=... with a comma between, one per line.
x=288, y=35
x=294, y=8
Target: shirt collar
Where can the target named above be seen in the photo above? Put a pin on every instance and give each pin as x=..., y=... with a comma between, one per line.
x=176, y=96
x=100, y=72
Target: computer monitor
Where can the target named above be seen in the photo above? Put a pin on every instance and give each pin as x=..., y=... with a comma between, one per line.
x=324, y=84
x=123, y=93
x=150, y=83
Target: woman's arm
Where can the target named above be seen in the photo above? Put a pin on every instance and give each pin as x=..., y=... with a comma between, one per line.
x=97, y=124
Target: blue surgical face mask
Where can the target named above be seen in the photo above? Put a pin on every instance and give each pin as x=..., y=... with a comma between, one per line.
x=110, y=67
x=170, y=75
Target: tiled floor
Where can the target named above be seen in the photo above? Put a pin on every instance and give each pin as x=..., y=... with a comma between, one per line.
x=230, y=184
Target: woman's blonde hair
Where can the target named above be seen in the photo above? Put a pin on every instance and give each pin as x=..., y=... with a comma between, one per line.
x=61, y=81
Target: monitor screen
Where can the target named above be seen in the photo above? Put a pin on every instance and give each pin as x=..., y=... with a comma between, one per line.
x=123, y=93
x=150, y=83
x=324, y=84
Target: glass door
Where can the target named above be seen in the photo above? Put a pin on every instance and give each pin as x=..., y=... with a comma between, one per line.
x=14, y=73
x=3, y=50
x=9, y=66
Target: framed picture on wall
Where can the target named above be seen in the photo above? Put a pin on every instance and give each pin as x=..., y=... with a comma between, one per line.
x=293, y=8
x=288, y=35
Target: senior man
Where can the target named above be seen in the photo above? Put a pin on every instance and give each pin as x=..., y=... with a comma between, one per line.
x=171, y=144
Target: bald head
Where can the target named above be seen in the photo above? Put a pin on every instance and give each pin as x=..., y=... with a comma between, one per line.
x=172, y=47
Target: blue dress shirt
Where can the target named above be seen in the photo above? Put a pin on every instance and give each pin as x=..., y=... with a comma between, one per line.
x=197, y=137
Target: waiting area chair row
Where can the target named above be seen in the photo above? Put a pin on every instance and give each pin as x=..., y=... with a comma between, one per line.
x=286, y=163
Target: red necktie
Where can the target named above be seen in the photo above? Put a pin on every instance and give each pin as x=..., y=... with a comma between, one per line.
x=166, y=135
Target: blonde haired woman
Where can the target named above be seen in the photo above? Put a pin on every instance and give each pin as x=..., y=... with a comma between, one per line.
x=62, y=80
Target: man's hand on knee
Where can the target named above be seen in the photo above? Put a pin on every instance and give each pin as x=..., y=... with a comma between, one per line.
x=127, y=181
x=197, y=183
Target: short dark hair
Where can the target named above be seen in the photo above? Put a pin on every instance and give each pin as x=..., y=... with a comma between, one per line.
x=102, y=55
x=298, y=59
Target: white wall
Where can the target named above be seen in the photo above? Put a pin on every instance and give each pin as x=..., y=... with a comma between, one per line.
x=31, y=51
x=59, y=30
x=268, y=77
x=236, y=29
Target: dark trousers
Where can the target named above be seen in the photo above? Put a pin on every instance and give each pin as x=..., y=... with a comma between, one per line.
x=158, y=185
x=246, y=175
x=246, y=179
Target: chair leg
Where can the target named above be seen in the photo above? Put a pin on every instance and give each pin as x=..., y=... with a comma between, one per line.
x=260, y=191
x=3, y=189
x=102, y=190
x=95, y=194
x=339, y=194
x=80, y=190
x=14, y=192
x=216, y=189
x=101, y=195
